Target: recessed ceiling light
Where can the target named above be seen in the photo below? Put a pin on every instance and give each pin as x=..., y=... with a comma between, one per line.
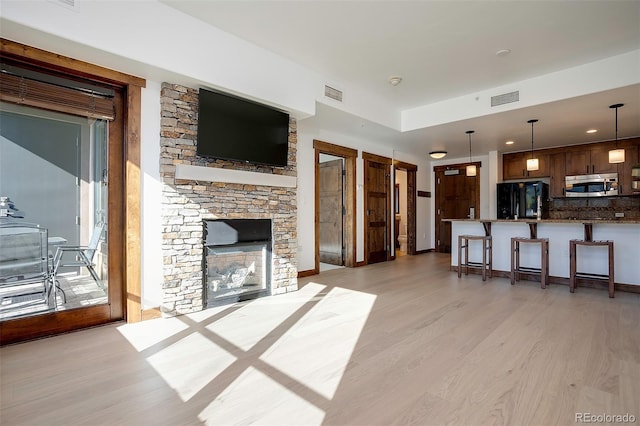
x=592, y=131
x=503, y=52
x=509, y=143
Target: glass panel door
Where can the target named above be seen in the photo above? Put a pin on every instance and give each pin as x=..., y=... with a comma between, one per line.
x=53, y=174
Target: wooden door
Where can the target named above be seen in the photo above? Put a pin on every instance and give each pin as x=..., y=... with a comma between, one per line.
x=456, y=195
x=331, y=212
x=377, y=204
x=600, y=161
x=578, y=162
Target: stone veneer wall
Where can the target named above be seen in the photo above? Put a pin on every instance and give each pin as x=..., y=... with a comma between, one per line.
x=185, y=204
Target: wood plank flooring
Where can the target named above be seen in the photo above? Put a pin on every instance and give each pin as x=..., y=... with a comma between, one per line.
x=397, y=343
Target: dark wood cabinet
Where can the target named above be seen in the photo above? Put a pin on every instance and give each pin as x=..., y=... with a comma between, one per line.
x=589, y=161
x=632, y=158
x=556, y=174
x=514, y=166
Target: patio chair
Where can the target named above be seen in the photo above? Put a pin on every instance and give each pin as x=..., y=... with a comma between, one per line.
x=80, y=256
x=25, y=275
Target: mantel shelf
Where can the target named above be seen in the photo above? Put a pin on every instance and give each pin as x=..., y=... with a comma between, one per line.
x=213, y=174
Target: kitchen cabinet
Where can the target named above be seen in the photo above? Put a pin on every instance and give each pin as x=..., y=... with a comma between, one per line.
x=556, y=174
x=589, y=161
x=632, y=158
x=514, y=166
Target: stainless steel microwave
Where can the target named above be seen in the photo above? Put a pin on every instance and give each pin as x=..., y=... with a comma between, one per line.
x=598, y=185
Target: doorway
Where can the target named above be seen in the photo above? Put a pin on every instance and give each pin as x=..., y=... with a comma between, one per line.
x=79, y=183
x=331, y=211
x=457, y=197
x=377, y=203
x=335, y=205
x=404, y=203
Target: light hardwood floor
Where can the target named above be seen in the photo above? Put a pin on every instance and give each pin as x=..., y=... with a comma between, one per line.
x=403, y=342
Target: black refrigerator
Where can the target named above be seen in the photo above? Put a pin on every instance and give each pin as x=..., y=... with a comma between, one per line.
x=523, y=200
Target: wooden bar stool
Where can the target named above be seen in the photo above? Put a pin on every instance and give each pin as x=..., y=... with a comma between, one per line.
x=487, y=255
x=573, y=274
x=516, y=268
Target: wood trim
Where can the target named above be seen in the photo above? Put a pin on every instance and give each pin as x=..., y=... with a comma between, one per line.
x=132, y=205
x=350, y=228
x=23, y=328
x=361, y=263
x=457, y=166
x=376, y=158
x=83, y=69
x=151, y=313
x=307, y=273
x=424, y=251
x=397, y=164
x=412, y=171
x=337, y=150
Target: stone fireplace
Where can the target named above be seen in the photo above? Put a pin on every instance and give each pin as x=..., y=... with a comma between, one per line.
x=187, y=205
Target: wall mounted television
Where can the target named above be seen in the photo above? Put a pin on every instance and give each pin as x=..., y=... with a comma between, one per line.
x=231, y=128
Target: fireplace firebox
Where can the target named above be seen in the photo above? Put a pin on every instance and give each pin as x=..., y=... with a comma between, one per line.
x=236, y=260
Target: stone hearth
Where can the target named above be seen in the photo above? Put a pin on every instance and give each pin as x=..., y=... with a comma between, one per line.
x=186, y=204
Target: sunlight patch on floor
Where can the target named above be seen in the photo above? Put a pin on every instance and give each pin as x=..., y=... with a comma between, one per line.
x=190, y=364
x=251, y=323
x=337, y=320
x=144, y=334
x=255, y=398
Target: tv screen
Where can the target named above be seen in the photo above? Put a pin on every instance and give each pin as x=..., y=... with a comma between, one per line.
x=231, y=128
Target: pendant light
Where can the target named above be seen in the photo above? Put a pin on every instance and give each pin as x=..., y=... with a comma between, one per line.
x=616, y=155
x=471, y=168
x=532, y=163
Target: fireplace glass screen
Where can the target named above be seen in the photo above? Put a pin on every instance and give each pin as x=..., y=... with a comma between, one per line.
x=232, y=271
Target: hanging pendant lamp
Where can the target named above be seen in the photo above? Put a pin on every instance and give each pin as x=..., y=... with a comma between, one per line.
x=532, y=163
x=471, y=168
x=616, y=155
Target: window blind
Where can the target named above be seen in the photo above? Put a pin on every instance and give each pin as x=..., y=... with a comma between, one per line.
x=21, y=90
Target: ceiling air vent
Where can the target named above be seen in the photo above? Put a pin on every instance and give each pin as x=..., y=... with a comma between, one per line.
x=332, y=93
x=69, y=4
x=506, y=98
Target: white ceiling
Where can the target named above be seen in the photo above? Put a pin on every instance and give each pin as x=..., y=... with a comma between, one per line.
x=443, y=50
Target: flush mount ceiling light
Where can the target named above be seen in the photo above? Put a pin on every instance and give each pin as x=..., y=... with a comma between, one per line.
x=503, y=52
x=592, y=131
x=616, y=155
x=395, y=80
x=509, y=142
x=471, y=168
x=532, y=163
x=436, y=155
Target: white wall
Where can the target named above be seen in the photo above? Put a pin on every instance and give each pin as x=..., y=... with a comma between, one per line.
x=150, y=221
x=306, y=211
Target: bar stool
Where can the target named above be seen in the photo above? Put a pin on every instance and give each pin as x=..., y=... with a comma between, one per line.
x=516, y=268
x=573, y=274
x=487, y=255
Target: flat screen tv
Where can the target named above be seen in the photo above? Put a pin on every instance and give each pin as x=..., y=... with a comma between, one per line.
x=231, y=128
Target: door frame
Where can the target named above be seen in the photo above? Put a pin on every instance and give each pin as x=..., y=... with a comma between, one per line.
x=412, y=172
x=386, y=161
x=437, y=210
x=349, y=218
x=124, y=202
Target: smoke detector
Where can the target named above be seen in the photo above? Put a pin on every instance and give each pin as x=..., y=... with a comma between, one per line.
x=395, y=80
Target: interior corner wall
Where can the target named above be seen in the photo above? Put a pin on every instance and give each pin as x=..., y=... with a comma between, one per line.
x=151, y=194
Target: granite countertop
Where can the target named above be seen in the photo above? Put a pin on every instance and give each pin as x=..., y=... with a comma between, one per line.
x=572, y=221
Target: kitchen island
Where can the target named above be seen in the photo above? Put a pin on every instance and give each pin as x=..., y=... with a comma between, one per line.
x=624, y=233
